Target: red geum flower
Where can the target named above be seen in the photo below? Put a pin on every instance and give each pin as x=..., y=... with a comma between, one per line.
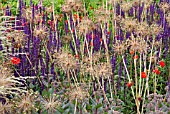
x=162, y=63
x=156, y=71
x=136, y=57
x=131, y=52
x=15, y=60
x=143, y=75
x=129, y=84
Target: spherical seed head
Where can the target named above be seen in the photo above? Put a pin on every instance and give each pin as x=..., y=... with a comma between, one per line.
x=125, y=6
x=164, y=6
x=26, y=102
x=65, y=60
x=119, y=48
x=66, y=8
x=78, y=93
x=142, y=29
x=27, y=13
x=41, y=32
x=129, y=24
x=6, y=108
x=168, y=18
x=103, y=70
x=85, y=25
x=155, y=29
x=66, y=39
x=50, y=104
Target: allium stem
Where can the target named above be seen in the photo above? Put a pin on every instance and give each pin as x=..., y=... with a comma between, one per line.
x=140, y=74
x=105, y=44
x=136, y=78
x=75, y=107
x=147, y=79
x=69, y=25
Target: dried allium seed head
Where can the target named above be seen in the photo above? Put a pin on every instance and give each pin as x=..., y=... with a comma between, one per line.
x=129, y=24
x=118, y=19
x=26, y=102
x=142, y=29
x=85, y=25
x=78, y=6
x=147, y=2
x=114, y=1
x=119, y=48
x=101, y=15
x=6, y=108
x=164, y=6
x=134, y=44
x=143, y=46
x=168, y=18
x=41, y=32
x=125, y=6
x=66, y=39
x=66, y=8
x=136, y=3
x=157, y=44
x=50, y=104
x=155, y=29
x=65, y=60
x=27, y=13
x=103, y=70
x=18, y=36
x=78, y=93
x=152, y=58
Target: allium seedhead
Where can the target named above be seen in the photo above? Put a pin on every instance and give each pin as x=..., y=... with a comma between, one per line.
x=26, y=102
x=134, y=44
x=143, y=46
x=78, y=93
x=142, y=29
x=119, y=48
x=155, y=29
x=27, y=13
x=6, y=108
x=153, y=58
x=136, y=3
x=50, y=104
x=103, y=70
x=85, y=25
x=147, y=2
x=40, y=32
x=101, y=15
x=66, y=8
x=164, y=6
x=18, y=37
x=65, y=60
x=168, y=18
x=129, y=24
x=66, y=39
x=125, y=6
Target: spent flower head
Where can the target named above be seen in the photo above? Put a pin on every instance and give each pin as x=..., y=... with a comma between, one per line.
x=50, y=104
x=26, y=102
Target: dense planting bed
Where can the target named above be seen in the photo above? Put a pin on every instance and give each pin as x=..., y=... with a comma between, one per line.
x=85, y=57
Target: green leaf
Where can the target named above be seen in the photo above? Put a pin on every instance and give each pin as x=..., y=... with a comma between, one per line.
x=98, y=105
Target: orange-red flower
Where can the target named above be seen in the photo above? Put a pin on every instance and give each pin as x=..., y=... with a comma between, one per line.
x=15, y=60
x=162, y=63
x=129, y=84
x=136, y=57
x=143, y=75
x=132, y=52
x=156, y=71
